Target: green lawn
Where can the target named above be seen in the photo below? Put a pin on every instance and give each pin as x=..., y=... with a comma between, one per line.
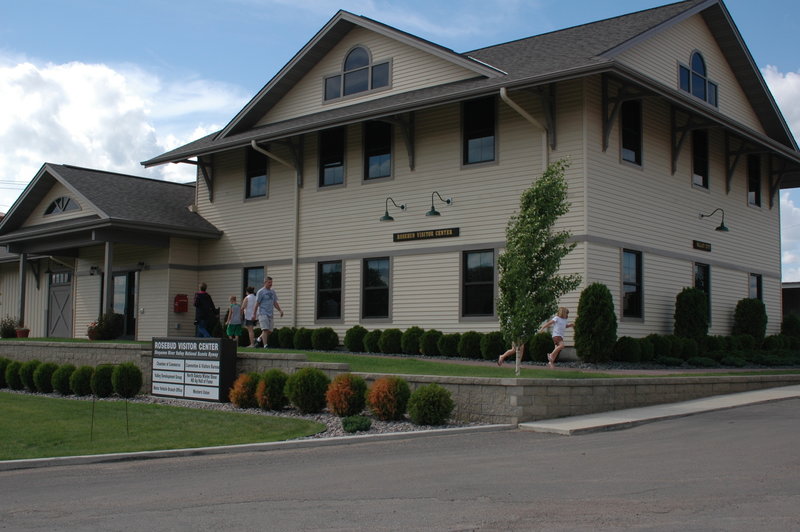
x=37, y=427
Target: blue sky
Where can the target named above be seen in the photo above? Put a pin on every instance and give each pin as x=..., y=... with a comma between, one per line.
x=106, y=84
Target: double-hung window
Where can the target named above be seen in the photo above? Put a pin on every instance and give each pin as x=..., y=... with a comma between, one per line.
x=331, y=157
x=329, y=290
x=257, y=177
x=632, y=299
x=375, y=288
x=479, y=123
x=754, y=180
x=631, y=125
x=377, y=150
x=700, y=158
x=477, y=290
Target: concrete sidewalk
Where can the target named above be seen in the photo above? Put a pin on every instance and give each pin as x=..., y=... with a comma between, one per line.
x=619, y=419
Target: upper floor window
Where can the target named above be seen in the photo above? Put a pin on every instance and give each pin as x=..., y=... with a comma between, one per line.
x=694, y=80
x=754, y=180
x=700, y=158
x=331, y=157
x=62, y=204
x=256, y=178
x=377, y=150
x=479, y=117
x=632, y=284
x=359, y=74
x=631, y=125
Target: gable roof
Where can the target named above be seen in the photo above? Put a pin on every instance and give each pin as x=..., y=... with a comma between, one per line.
x=121, y=202
x=572, y=52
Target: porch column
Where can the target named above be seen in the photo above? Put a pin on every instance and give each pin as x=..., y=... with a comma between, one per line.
x=23, y=270
x=108, y=279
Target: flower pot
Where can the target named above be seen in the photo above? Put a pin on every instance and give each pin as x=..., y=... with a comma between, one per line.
x=23, y=333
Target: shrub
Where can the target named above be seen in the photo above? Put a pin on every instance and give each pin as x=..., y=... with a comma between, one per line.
x=270, y=393
x=352, y=424
x=688, y=347
x=346, y=395
x=627, y=350
x=731, y=360
x=80, y=382
x=492, y=344
x=448, y=344
x=12, y=377
x=661, y=346
x=429, y=342
x=100, y=382
x=306, y=389
x=469, y=345
x=539, y=346
x=596, y=324
x=126, y=379
x=243, y=392
x=790, y=326
x=647, y=350
x=775, y=342
x=286, y=337
x=302, y=338
x=26, y=374
x=324, y=339
x=430, y=404
x=745, y=342
x=354, y=338
x=691, y=313
x=108, y=327
x=750, y=317
x=669, y=361
x=43, y=377
x=8, y=327
x=4, y=362
x=409, y=341
x=60, y=379
x=371, y=341
x=390, y=341
x=388, y=398
x=274, y=336
x=702, y=362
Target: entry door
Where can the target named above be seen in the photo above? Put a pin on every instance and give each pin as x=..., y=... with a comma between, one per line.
x=59, y=314
x=125, y=301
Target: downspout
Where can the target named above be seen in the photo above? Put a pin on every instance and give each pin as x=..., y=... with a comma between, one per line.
x=527, y=116
x=295, y=223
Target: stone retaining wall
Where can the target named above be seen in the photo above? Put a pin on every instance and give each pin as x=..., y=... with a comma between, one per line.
x=488, y=400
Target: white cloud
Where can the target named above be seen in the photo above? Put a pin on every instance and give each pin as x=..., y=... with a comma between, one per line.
x=785, y=88
x=100, y=117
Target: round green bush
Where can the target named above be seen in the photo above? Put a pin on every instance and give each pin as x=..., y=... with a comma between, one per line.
x=4, y=362
x=661, y=346
x=270, y=393
x=430, y=404
x=126, y=380
x=372, y=340
x=596, y=324
x=428, y=342
x=669, y=361
x=43, y=377
x=302, y=338
x=689, y=348
x=745, y=342
x=346, y=395
x=286, y=337
x=539, y=346
x=306, y=389
x=388, y=398
x=627, y=349
x=775, y=342
x=61, y=376
x=354, y=338
x=352, y=424
x=80, y=382
x=750, y=317
x=448, y=344
x=492, y=345
x=469, y=345
x=12, y=377
x=26, y=374
x=324, y=339
x=409, y=341
x=646, y=348
x=101, y=380
x=390, y=342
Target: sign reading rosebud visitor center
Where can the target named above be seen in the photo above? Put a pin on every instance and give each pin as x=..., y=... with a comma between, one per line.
x=193, y=368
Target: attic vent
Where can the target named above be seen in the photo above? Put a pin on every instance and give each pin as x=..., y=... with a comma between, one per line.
x=62, y=204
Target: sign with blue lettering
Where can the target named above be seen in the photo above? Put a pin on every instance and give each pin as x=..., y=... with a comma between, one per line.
x=193, y=368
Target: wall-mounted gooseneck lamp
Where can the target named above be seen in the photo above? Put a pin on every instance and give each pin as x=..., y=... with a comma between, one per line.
x=433, y=211
x=386, y=217
x=721, y=227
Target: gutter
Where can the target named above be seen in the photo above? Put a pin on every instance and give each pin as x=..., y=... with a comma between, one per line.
x=527, y=116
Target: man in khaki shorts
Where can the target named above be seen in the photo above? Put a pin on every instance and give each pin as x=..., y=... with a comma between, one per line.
x=266, y=300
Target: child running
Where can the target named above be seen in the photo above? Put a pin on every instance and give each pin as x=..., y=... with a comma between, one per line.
x=559, y=324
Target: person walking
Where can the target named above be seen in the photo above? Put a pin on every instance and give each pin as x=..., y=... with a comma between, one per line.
x=249, y=313
x=204, y=312
x=233, y=325
x=266, y=300
x=559, y=326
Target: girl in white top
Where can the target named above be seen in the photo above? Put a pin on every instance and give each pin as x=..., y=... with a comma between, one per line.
x=559, y=324
x=248, y=308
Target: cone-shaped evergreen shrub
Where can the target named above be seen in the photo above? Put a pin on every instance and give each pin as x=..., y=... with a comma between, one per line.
x=596, y=324
x=243, y=391
x=346, y=395
x=61, y=376
x=388, y=398
x=428, y=342
x=691, y=313
x=13, y=379
x=80, y=382
x=469, y=345
x=750, y=317
x=43, y=377
x=270, y=393
x=306, y=389
x=430, y=404
x=409, y=341
x=371, y=341
x=101, y=380
x=354, y=339
x=390, y=342
x=126, y=379
x=324, y=339
x=26, y=374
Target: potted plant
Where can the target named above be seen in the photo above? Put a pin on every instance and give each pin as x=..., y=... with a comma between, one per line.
x=93, y=331
x=8, y=327
x=22, y=331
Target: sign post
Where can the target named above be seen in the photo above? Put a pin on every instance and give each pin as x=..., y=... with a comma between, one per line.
x=193, y=368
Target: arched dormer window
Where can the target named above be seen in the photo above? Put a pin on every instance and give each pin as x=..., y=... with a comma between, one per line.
x=62, y=204
x=694, y=80
x=359, y=74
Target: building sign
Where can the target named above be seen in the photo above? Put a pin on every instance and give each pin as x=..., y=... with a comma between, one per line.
x=193, y=368
x=702, y=246
x=426, y=234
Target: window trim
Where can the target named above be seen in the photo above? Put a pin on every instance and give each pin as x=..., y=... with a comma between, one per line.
x=640, y=133
x=376, y=319
x=320, y=168
x=370, y=67
x=317, y=290
x=709, y=86
x=464, y=140
x=250, y=152
x=639, y=283
x=462, y=285
x=61, y=205
x=365, y=155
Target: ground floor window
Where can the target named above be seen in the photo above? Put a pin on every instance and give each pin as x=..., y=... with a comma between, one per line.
x=632, y=284
x=329, y=290
x=375, y=288
x=252, y=277
x=477, y=290
x=754, y=291
x=702, y=281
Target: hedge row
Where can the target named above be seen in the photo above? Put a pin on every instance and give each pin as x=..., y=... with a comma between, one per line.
x=125, y=380
x=310, y=391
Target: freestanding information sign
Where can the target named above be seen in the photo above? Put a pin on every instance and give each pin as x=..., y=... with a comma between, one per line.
x=193, y=368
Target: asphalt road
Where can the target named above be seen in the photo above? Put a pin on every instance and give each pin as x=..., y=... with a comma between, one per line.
x=735, y=469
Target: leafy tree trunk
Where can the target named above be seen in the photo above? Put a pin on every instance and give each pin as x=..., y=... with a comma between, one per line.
x=530, y=285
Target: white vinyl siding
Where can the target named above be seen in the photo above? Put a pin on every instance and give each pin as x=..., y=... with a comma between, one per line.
x=58, y=190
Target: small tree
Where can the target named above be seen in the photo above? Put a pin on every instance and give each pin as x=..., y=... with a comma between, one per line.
x=596, y=324
x=691, y=313
x=530, y=285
